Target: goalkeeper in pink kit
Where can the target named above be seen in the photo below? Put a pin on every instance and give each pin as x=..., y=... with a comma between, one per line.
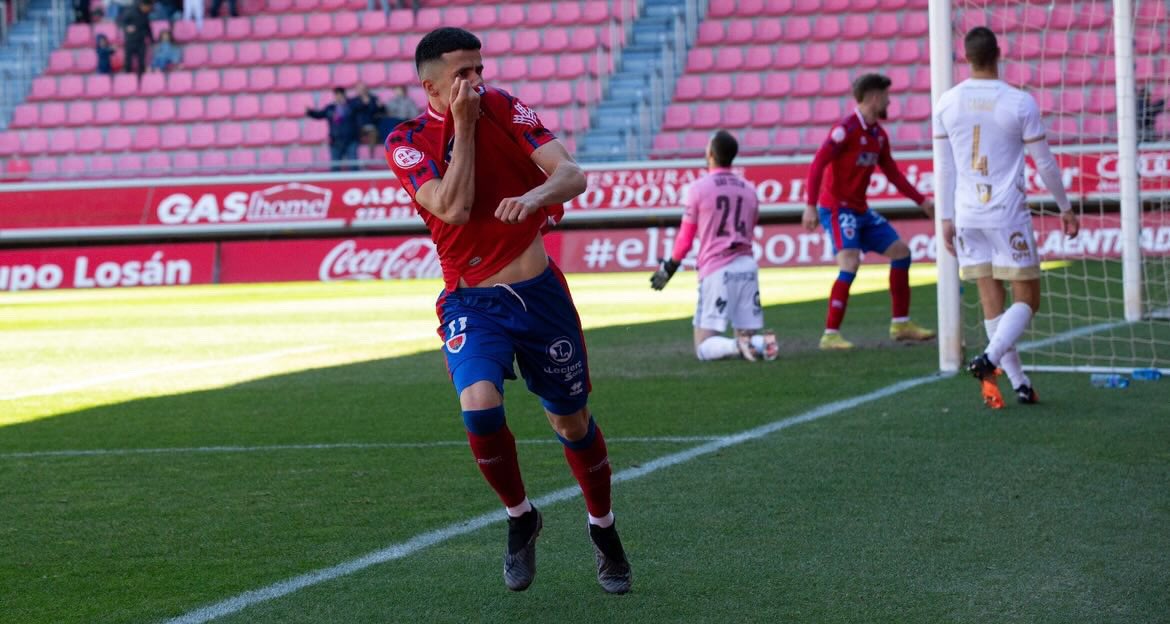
x=723, y=209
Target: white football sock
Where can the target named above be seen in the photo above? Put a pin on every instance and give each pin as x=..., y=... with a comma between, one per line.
x=519, y=510
x=717, y=348
x=603, y=522
x=1012, y=325
x=1010, y=362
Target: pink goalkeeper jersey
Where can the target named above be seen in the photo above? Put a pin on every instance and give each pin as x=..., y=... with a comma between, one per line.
x=724, y=207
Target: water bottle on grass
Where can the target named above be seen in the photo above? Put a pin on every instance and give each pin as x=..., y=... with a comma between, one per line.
x=1108, y=380
x=1147, y=374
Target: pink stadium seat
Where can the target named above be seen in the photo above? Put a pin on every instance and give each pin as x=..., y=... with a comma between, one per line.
x=314, y=133
x=78, y=36
x=767, y=32
x=856, y=27
x=538, y=15
x=146, y=138
x=189, y=109
x=202, y=136
x=826, y=28
x=1102, y=100
x=885, y=26
x=212, y=162
x=125, y=85
x=298, y=102
x=80, y=113
x=345, y=76
x=345, y=24
x=766, y=114
x=728, y=59
x=156, y=164
x=108, y=112
x=777, y=85
x=906, y=52
x=788, y=56
x=305, y=51
x=1050, y=73
x=318, y=24
x=911, y=134
x=372, y=74
x=555, y=40
x=359, y=49
x=1086, y=44
x=817, y=55
x=173, y=137
x=677, y=117
x=52, y=114
x=827, y=111
x=98, y=86
x=748, y=86
x=558, y=93
x=286, y=132
x=428, y=19
x=706, y=116
x=217, y=107
x=876, y=53
x=179, y=83
x=245, y=107
x=274, y=106
x=277, y=52
x=717, y=87
x=238, y=29
x=117, y=138
x=60, y=61
x=289, y=78
x=1017, y=73
x=35, y=142
x=700, y=60
x=184, y=32
x=242, y=160
x=89, y=140
x=915, y=24
x=737, y=115
x=1078, y=71
x=756, y=141
x=510, y=16
x=221, y=55
x=45, y=166
x=258, y=134
x=666, y=143
x=738, y=32
x=44, y=88
x=206, y=81
x=270, y=159
x=595, y=12
x=291, y=26
x=567, y=14
x=401, y=74
x=1072, y=102
x=570, y=67
x=787, y=139
x=229, y=135
x=128, y=164
x=73, y=166
x=1098, y=129
x=482, y=18
x=261, y=79
x=917, y=108
x=70, y=87
x=85, y=61
x=531, y=94
x=806, y=7
x=100, y=166
x=526, y=42
x=513, y=68
x=806, y=83
x=25, y=116
x=1149, y=40
x=152, y=84
x=711, y=33
x=1056, y=45
x=797, y=30
x=1027, y=46
x=162, y=110
x=796, y=113
x=757, y=58
x=1094, y=15
x=583, y=40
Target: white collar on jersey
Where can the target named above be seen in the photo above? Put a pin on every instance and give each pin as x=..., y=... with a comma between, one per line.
x=433, y=114
x=861, y=118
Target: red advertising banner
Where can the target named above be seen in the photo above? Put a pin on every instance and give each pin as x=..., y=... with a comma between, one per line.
x=378, y=198
x=107, y=267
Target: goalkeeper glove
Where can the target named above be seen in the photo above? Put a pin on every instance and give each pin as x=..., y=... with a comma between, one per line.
x=663, y=274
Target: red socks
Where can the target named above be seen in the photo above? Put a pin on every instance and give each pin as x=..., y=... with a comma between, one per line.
x=838, y=300
x=589, y=460
x=494, y=449
x=900, y=288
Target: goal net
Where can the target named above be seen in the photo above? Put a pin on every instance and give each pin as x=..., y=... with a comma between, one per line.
x=1105, y=303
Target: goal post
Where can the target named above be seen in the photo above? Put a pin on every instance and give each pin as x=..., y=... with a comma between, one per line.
x=1094, y=67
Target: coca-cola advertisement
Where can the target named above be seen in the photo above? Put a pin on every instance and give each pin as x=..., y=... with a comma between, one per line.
x=349, y=202
x=107, y=267
x=328, y=260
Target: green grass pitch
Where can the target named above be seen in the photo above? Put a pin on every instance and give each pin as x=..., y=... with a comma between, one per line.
x=229, y=438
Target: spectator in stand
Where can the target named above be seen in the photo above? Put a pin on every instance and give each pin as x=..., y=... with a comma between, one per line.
x=367, y=110
x=81, y=12
x=105, y=55
x=232, y=8
x=402, y=4
x=168, y=10
x=400, y=108
x=193, y=10
x=1147, y=115
x=343, y=129
x=167, y=53
x=136, y=32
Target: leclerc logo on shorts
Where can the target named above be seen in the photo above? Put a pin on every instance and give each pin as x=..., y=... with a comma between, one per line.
x=560, y=351
x=407, y=157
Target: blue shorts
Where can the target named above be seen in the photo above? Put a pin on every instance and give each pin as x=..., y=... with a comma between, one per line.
x=867, y=231
x=533, y=322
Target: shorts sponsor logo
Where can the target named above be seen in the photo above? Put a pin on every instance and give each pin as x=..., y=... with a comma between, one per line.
x=560, y=351
x=455, y=343
x=1019, y=243
x=577, y=388
x=407, y=157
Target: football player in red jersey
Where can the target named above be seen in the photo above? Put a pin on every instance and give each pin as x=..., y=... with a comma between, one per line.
x=488, y=178
x=844, y=163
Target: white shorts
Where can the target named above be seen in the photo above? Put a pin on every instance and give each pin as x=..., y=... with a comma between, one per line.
x=731, y=293
x=1005, y=253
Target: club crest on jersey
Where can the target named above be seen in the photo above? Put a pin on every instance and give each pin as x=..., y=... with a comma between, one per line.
x=560, y=350
x=407, y=157
x=984, y=191
x=455, y=343
x=837, y=134
x=524, y=115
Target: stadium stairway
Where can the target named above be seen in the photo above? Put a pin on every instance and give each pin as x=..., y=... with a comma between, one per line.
x=624, y=122
x=25, y=52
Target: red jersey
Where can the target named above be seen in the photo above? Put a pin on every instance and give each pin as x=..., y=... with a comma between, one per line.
x=505, y=136
x=848, y=157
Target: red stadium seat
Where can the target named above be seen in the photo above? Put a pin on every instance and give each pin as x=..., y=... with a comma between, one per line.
x=108, y=112
x=117, y=138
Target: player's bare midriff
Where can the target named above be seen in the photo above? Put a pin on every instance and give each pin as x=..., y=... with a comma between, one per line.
x=526, y=266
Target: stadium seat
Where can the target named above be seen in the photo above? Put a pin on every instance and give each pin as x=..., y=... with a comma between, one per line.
x=806, y=84
x=827, y=111
x=89, y=140
x=837, y=82
x=796, y=113
x=35, y=142
x=73, y=166
x=25, y=116
x=162, y=110
x=885, y=26
x=766, y=114
x=911, y=135
x=796, y=30
x=677, y=117
x=907, y=52
x=100, y=166
x=146, y=138
x=777, y=85
x=700, y=60
x=129, y=164
x=748, y=86
x=258, y=134
x=816, y=56
x=876, y=53
x=173, y=137
x=44, y=88
x=848, y=54
x=52, y=115
x=80, y=113
x=856, y=27
x=189, y=109
x=826, y=28
x=108, y=112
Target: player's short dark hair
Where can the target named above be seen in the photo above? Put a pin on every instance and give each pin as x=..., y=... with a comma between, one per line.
x=981, y=47
x=869, y=82
x=724, y=148
x=441, y=41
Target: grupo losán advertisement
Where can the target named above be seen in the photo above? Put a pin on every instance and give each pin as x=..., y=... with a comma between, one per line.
x=414, y=257
x=377, y=198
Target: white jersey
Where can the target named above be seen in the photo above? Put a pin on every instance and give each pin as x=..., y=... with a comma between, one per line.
x=987, y=123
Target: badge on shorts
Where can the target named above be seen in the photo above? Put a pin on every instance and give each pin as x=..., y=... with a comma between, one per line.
x=560, y=351
x=455, y=343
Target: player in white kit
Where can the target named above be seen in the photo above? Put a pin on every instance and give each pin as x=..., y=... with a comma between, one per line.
x=982, y=128
x=723, y=209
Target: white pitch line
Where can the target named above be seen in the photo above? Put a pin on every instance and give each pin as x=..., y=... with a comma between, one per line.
x=322, y=447
x=431, y=538
x=176, y=368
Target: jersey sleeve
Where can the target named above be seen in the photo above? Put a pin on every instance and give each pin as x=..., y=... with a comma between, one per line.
x=520, y=121
x=938, y=129
x=1030, y=123
x=690, y=202
x=828, y=151
x=410, y=161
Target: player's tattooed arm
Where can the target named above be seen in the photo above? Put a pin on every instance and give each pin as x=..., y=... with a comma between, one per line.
x=451, y=197
x=565, y=181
